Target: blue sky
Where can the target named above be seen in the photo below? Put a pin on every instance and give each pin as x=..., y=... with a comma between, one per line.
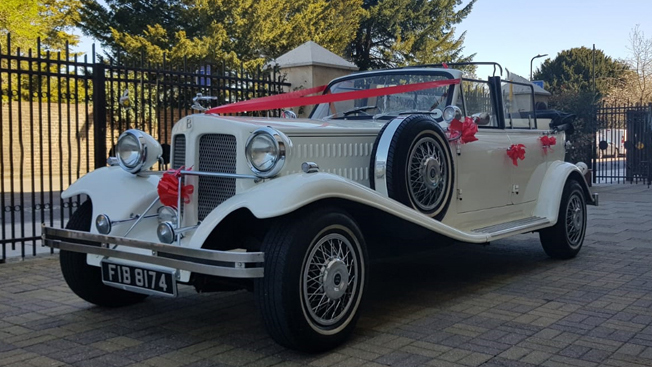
x=511, y=32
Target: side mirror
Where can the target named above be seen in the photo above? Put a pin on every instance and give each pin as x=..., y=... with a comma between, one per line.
x=481, y=118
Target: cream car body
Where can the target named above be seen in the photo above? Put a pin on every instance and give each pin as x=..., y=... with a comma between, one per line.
x=475, y=192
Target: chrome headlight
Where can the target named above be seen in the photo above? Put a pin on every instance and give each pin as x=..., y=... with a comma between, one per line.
x=166, y=214
x=103, y=224
x=452, y=113
x=266, y=150
x=137, y=151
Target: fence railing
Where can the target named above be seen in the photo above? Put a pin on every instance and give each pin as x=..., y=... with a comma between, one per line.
x=623, y=144
x=61, y=116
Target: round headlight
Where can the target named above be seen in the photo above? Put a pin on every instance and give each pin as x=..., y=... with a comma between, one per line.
x=262, y=152
x=137, y=151
x=103, y=224
x=167, y=214
x=265, y=150
x=451, y=113
x=129, y=150
x=165, y=232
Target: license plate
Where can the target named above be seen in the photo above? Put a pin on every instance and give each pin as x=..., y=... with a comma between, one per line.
x=141, y=280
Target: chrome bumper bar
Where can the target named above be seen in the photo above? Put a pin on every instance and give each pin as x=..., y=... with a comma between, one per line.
x=229, y=264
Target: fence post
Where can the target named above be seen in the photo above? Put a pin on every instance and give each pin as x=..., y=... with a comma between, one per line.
x=99, y=114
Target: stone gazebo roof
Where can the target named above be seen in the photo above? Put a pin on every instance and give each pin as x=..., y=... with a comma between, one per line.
x=312, y=54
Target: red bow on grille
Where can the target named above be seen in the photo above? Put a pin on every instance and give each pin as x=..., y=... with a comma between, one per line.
x=547, y=142
x=168, y=188
x=516, y=152
x=465, y=130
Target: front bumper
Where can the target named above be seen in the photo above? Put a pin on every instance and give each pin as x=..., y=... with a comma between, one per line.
x=230, y=264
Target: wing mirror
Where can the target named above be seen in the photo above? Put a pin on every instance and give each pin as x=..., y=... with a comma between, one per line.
x=481, y=118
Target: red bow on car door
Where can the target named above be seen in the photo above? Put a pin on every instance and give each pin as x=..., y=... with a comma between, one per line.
x=516, y=152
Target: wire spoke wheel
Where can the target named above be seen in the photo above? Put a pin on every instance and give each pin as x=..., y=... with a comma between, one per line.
x=315, y=274
x=427, y=173
x=564, y=240
x=329, y=279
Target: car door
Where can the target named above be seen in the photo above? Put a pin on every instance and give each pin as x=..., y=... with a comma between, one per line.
x=482, y=168
x=521, y=126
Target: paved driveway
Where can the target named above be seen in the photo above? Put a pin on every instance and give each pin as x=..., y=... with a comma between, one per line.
x=506, y=304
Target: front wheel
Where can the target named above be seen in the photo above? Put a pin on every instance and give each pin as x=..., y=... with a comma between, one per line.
x=564, y=240
x=315, y=274
x=86, y=280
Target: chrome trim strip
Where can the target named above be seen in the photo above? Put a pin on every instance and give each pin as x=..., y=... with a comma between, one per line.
x=380, y=161
x=55, y=238
x=531, y=225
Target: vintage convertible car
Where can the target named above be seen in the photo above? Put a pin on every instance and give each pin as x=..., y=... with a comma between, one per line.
x=290, y=208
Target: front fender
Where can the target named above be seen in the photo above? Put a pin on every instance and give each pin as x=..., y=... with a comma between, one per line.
x=115, y=192
x=552, y=189
x=286, y=194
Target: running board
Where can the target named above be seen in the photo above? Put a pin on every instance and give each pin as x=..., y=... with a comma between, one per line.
x=514, y=227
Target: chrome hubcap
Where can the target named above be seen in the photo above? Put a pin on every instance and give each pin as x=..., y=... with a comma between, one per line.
x=335, y=279
x=330, y=279
x=431, y=173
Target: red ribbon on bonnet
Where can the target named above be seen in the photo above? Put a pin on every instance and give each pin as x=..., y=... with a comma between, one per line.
x=516, y=152
x=168, y=188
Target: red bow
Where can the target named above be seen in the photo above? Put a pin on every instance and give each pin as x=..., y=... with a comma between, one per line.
x=547, y=142
x=516, y=152
x=168, y=188
x=465, y=130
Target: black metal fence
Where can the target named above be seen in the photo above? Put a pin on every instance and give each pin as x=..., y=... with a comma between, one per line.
x=61, y=115
x=623, y=144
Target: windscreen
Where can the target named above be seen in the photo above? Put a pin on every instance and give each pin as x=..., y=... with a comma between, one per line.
x=424, y=100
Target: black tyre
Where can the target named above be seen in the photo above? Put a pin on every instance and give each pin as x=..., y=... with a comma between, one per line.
x=315, y=275
x=86, y=280
x=420, y=170
x=564, y=240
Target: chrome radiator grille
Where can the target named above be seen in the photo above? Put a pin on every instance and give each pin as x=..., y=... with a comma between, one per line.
x=179, y=158
x=217, y=153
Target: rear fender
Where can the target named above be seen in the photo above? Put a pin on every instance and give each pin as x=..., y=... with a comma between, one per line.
x=552, y=189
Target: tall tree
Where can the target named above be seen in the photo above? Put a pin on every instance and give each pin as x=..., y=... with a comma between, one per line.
x=404, y=32
x=375, y=33
x=573, y=70
x=640, y=62
x=27, y=20
x=134, y=17
x=220, y=30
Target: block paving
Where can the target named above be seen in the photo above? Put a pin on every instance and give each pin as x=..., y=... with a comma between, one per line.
x=506, y=304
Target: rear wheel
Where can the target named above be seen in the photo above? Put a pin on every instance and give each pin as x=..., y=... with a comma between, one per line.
x=315, y=273
x=564, y=240
x=86, y=280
